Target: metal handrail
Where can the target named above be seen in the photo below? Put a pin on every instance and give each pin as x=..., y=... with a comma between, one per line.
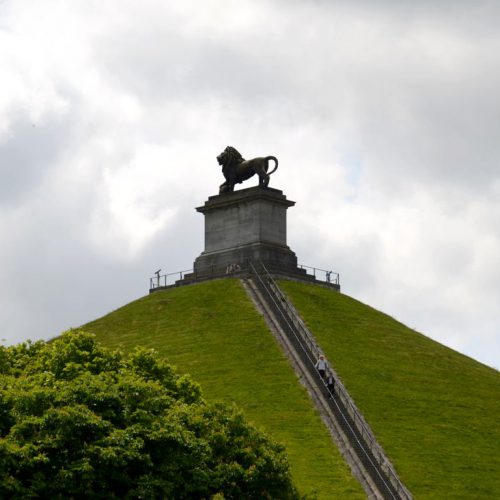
x=330, y=276
x=311, y=360
x=162, y=279
x=354, y=413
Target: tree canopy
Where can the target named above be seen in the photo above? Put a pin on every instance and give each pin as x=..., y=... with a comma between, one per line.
x=78, y=420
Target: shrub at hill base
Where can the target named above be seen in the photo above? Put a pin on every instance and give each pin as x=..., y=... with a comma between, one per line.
x=80, y=421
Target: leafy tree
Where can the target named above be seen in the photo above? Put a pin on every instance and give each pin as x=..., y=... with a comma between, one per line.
x=78, y=420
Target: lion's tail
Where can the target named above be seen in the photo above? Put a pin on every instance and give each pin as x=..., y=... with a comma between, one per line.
x=275, y=161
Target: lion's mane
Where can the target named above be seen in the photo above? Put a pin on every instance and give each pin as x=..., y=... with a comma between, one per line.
x=230, y=156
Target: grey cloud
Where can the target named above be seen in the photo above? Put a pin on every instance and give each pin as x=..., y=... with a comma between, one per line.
x=367, y=104
x=444, y=135
x=29, y=152
x=56, y=280
x=190, y=73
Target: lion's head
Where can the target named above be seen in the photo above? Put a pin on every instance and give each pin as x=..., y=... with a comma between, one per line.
x=229, y=156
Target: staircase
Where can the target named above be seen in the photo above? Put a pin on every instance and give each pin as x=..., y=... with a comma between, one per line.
x=345, y=422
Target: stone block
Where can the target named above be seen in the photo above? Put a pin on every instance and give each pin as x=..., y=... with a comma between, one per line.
x=249, y=224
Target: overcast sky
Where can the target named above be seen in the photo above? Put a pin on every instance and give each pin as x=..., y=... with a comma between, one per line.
x=384, y=115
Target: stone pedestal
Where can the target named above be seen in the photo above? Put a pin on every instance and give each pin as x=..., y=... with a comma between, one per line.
x=249, y=224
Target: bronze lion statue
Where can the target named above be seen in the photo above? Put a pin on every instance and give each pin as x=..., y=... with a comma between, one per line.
x=236, y=169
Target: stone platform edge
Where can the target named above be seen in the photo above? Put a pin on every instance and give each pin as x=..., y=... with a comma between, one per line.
x=191, y=279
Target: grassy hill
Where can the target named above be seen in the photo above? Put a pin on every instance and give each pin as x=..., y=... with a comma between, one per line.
x=212, y=331
x=435, y=411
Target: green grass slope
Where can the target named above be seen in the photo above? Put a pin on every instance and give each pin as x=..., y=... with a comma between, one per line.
x=212, y=331
x=435, y=411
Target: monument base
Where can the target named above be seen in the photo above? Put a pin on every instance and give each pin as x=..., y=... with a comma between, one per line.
x=242, y=230
x=246, y=225
x=273, y=256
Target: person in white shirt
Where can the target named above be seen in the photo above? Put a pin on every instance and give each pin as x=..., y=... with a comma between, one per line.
x=321, y=365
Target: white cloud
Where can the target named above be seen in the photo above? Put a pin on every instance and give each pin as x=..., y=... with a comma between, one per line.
x=384, y=117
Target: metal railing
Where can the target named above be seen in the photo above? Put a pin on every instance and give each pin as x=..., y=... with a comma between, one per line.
x=163, y=280
x=169, y=279
x=213, y=272
x=312, y=351
x=322, y=274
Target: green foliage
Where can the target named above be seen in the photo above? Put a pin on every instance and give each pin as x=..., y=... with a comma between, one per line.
x=435, y=411
x=212, y=331
x=78, y=420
